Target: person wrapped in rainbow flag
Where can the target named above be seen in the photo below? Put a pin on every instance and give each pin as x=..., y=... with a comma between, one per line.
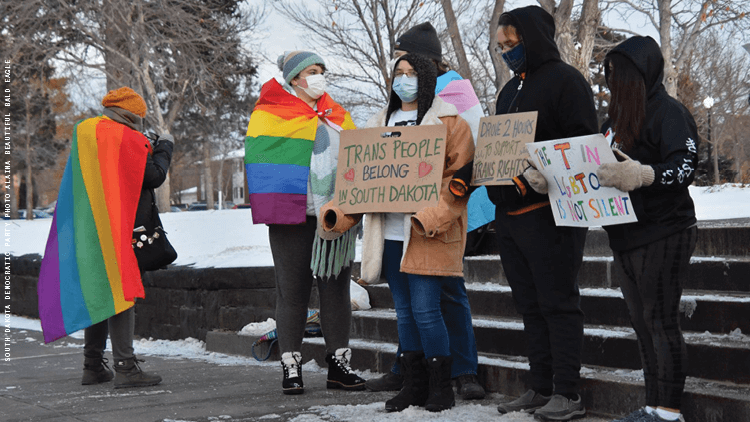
x=89, y=278
x=291, y=153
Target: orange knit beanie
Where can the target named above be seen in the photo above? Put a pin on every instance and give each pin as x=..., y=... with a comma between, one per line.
x=126, y=99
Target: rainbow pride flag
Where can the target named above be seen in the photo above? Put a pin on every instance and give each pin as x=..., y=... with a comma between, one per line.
x=278, y=148
x=89, y=271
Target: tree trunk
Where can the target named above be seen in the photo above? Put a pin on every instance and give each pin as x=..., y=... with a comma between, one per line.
x=587, y=28
x=665, y=36
x=564, y=31
x=501, y=72
x=207, y=179
x=450, y=18
x=28, y=160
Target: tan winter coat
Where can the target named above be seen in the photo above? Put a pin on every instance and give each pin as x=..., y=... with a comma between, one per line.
x=435, y=237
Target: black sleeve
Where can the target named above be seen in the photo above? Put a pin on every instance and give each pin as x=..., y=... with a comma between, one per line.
x=158, y=165
x=576, y=110
x=678, y=149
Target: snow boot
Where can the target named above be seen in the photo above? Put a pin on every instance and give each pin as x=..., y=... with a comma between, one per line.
x=291, y=363
x=441, y=389
x=340, y=374
x=129, y=374
x=416, y=383
x=95, y=371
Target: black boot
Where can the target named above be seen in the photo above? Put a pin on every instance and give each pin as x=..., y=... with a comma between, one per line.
x=340, y=375
x=416, y=383
x=291, y=363
x=95, y=371
x=441, y=389
x=129, y=374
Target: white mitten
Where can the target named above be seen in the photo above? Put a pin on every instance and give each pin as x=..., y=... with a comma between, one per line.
x=536, y=180
x=626, y=176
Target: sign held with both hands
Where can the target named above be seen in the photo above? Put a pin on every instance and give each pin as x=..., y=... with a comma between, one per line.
x=576, y=196
x=390, y=169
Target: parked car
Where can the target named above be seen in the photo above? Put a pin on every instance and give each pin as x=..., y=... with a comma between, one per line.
x=240, y=206
x=197, y=206
x=175, y=209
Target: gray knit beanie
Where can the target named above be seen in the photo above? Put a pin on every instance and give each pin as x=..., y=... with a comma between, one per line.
x=291, y=63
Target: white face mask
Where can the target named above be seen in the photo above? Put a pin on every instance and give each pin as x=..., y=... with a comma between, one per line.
x=406, y=88
x=316, y=86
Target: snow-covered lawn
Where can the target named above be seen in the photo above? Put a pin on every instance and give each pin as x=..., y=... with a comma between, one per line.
x=227, y=238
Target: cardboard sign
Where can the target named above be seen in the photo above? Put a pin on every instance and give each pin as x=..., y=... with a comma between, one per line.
x=577, y=198
x=393, y=169
x=500, y=152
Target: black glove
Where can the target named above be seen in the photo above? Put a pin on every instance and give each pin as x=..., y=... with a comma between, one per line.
x=460, y=184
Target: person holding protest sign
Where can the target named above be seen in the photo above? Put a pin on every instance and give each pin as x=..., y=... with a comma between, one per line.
x=422, y=39
x=418, y=253
x=291, y=154
x=541, y=260
x=656, y=140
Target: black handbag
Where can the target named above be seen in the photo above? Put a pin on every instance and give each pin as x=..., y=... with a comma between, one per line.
x=150, y=244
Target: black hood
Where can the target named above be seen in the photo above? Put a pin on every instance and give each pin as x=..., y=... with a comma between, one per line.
x=537, y=29
x=645, y=54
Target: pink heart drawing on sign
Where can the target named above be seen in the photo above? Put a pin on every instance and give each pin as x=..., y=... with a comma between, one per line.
x=424, y=169
x=349, y=175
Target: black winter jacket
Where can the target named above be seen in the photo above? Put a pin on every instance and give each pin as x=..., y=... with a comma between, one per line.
x=669, y=143
x=156, y=173
x=556, y=90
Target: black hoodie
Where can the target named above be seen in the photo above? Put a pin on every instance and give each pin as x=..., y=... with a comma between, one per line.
x=669, y=143
x=556, y=90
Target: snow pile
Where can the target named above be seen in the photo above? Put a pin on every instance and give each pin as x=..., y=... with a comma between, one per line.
x=257, y=329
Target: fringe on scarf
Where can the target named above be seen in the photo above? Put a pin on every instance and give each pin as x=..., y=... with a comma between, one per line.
x=329, y=257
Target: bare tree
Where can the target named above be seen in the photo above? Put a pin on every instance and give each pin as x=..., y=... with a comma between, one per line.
x=358, y=36
x=458, y=46
x=683, y=21
x=718, y=69
x=171, y=51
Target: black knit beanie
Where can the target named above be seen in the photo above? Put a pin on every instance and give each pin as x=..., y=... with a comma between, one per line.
x=426, y=82
x=421, y=39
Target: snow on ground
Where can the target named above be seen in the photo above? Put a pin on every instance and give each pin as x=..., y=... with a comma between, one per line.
x=193, y=349
x=227, y=238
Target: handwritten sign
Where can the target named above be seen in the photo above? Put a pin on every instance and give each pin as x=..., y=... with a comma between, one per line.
x=577, y=198
x=500, y=152
x=394, y=169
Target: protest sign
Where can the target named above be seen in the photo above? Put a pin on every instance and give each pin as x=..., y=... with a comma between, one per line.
x=577, y=198
x=500, y=152
x=393, y=169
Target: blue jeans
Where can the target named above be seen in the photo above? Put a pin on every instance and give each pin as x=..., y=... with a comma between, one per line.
x=453, y=305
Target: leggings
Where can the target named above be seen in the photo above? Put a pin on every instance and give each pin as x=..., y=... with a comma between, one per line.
x=651, y=281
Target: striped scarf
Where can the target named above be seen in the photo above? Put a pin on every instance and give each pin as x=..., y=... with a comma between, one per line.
x=89, y=271
x=288, y=143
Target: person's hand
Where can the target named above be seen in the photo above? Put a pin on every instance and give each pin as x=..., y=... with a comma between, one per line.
x=627, y=175
x=536, y=180
x=166, y=137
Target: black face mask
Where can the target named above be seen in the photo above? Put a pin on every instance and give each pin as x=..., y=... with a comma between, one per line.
x=515, y=58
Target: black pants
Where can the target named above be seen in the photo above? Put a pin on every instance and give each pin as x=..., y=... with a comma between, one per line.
x=291, y=247
x=541, y=262
x=651, y=281
x=120, y=328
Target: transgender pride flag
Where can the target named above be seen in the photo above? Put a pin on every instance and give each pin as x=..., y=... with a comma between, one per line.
x=89, y=271
x=455, y=90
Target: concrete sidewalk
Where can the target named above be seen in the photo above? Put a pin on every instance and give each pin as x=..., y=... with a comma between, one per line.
x=42, y=383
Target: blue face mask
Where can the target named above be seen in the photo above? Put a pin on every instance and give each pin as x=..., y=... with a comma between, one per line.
x=516, y=58
x=406, y=88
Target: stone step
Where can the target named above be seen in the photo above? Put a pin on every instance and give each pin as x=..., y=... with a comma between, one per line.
x=605, y=391
x=706, y=273
x=720, y=357
x=718, y=313
x=715, y=238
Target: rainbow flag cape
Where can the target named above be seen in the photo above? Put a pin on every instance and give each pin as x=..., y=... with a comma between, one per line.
x=89, y=271
x=278, y=148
